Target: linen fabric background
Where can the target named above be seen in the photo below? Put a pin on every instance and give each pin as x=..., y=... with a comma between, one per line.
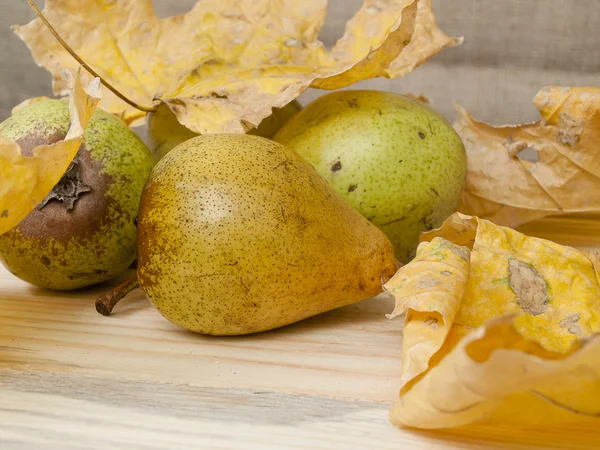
x=512, y=48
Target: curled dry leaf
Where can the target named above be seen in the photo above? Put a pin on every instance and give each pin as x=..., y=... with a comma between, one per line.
x=426, y=41
x=26, y=180
x=224, y=65
x=499, y=326
x=561, y=174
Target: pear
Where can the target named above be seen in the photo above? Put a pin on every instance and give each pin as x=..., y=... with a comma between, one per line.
x=394, y=159
x=83, y=232
x=164, y=132
x=238, y=234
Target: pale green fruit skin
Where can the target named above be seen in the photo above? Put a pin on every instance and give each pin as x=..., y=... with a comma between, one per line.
x=396, y=160
x=96, y=241
x=238, y=234
x=164, y=132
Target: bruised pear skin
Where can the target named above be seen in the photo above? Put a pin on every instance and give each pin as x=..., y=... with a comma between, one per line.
x=164, y=132
x=96, y=240
x=237, y=234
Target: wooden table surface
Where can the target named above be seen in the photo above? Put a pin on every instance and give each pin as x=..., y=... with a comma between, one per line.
x=70, y=378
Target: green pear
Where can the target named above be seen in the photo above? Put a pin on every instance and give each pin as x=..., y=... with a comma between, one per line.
x=238, y=234
x=396, y=160
x=164, y=132
x=83, y=232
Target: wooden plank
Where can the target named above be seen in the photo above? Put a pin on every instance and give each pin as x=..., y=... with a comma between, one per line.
x=69, y=411
x=70, y=378
x=342, y=353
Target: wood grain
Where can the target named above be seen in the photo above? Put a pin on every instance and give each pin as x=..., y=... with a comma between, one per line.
x=70, y=378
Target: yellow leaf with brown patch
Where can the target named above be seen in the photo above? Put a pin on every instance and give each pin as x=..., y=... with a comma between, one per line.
x=224, y=65
x=500, y=327
x=517, y=174
x=26, y=180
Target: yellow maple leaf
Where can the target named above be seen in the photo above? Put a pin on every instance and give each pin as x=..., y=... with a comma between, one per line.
x=26, y=180
x=562, y=173
x=224, y=65
x=499, y=327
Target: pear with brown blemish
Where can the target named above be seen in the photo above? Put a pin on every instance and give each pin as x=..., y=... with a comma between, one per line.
x=238, y=234
x=83, y=232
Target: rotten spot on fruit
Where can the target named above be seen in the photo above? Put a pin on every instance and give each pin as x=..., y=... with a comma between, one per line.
x=352, y=187
x=337, y=166
x=27, y=180
x=69, y=188
x=421, y=135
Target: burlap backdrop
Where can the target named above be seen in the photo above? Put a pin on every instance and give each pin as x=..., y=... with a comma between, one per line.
x=511, y=49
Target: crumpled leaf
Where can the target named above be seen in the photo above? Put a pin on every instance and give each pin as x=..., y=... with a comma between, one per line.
x=427, y=41
x=26, y=180
x=510, y=189
x=223, y=66
x=499, y=327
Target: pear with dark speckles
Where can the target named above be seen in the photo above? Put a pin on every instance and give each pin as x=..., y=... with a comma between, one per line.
x=238, y=234
x=396, y=160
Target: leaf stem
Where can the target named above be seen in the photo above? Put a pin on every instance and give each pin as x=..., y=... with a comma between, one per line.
x=105, y=303
x=84, y=64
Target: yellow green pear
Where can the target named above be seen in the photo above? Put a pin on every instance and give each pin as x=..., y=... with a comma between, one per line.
x=164, y=132
x=238, y=234
x=395, y=159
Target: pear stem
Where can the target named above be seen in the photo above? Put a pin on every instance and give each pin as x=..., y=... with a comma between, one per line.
x=84, y=64
x=105, y=303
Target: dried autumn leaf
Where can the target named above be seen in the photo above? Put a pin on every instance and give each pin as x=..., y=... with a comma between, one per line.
x=223, y=66
x=426, y=41
x=26, y=180
x=512, y=335
x=564, y=174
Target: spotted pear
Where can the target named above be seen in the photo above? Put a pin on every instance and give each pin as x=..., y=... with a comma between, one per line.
x=83, y=232
x=238, y=234
x=164, y=132
x=393, y=158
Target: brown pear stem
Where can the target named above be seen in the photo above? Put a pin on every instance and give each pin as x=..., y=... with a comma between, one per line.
x=84, y=64
x=105, y=303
